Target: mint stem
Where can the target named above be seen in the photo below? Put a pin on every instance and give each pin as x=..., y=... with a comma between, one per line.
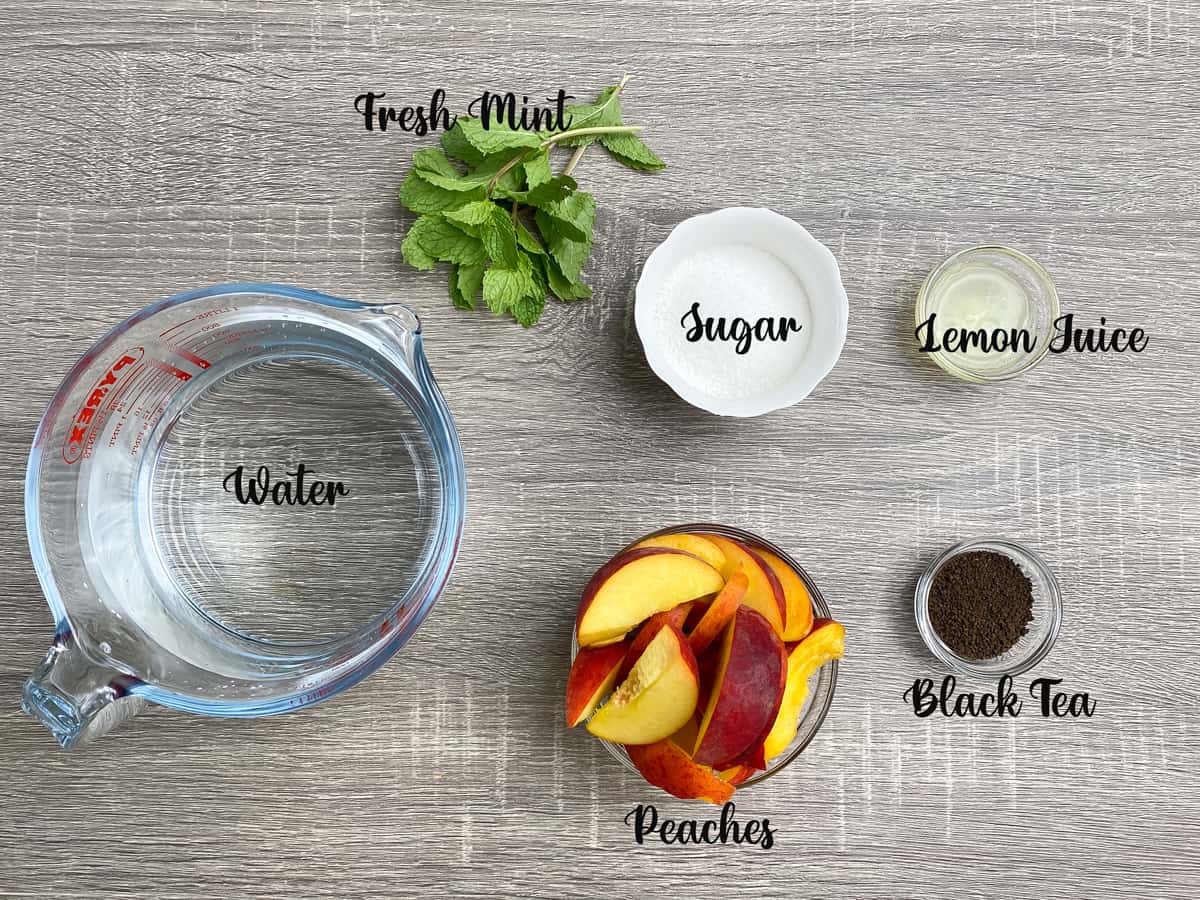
x=596, y=129
x=578, y=154
x=555, y=138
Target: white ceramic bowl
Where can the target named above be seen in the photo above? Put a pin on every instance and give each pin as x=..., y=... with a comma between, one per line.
x=810, y=261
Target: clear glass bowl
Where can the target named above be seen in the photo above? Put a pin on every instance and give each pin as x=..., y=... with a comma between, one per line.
x=1035, y=282
x=1037, y=640
x=821, y=687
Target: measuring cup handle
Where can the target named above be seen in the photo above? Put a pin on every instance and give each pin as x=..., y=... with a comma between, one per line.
x=76, y=699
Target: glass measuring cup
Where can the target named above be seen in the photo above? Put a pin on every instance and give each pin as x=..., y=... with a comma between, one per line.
x=241, y=501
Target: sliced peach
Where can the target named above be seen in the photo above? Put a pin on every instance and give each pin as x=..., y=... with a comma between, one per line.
x=665, y=765
x=685, y=737
x=719, y=612
x=593, y=674
x=675, y=616
x=755, y=757
x=764, y=592
x=708, y=663
x=746, y=691
x=826, y=641
x=799, y=604
x=633, y=586
x=735, y=775
x=657, y=697
x=689, y=543
x=698, y=608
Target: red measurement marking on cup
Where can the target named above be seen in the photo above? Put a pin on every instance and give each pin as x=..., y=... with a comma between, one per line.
x=81, y=432
x=122, y=389
x=197, y=361
x=164, y=366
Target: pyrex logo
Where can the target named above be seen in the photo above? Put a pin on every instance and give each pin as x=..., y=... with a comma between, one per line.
x=85, y=420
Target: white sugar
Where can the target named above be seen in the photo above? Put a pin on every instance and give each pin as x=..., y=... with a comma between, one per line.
x=732, y=281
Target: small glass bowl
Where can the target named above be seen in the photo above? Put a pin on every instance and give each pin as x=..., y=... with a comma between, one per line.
x=1038, y=287
x=821, y=686
x=1033, y=645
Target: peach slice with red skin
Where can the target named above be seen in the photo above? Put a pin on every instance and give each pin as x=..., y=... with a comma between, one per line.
x=689, y=543
x=826, y=641
x=799, y=604
x=666, y=765
x=635, y=585
x=764, y=592
x=675, y=616
x=736, y=774
x=746, y=691
x=592, y=676
x=719, y=612
x=658, y=696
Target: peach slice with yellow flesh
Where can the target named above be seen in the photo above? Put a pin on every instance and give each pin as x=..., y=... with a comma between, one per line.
x=675, y=616
x=666, y=765
x=719, y=612
x=799, y=604
x=746, y=691
x=826, y=641
x=685, y=737
x=592, y=676
x=764, y=592
x=689, y=543
x=735, y=775
x=656, y=698
x=635, y=585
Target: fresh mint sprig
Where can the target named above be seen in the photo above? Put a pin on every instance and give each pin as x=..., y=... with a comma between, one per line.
x=489, y=204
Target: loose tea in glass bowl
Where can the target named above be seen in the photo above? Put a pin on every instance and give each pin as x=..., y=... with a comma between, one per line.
x=989, y=607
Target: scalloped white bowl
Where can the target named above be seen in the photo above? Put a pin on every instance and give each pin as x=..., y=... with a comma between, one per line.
x=815, y=269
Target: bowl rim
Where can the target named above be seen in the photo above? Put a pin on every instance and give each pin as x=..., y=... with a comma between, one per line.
x=980, y=668
x=1038, y=271
x=820, y=610
x=821, y=356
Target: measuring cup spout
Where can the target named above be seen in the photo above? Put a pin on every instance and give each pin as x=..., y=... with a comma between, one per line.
x=74, y=697
x=402, y=328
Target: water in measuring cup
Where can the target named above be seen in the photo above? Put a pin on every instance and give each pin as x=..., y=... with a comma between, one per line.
x=283, y=571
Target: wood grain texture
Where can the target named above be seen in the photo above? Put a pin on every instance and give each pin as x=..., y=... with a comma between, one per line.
x=149, y=148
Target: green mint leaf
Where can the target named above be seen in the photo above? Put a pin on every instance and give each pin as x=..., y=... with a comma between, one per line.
x=605, y=112
x=496, y=137
x=629, y=150
x=562, y=287
x=504, y=287
x=470, y=278
x=431, y=159
x=475, y=213
x=528, y=309
x=527, y=241
x=455, y=297
x=453, y=182
x=456, y=144
x=432, y=237
x=421, y=196
x=413, y=252
x=569, y=254
x=488, y=168
x=464, y=284
x=557, y=188
x=572, y=217
x=538, y=267
x=493, y=225
x=537, y=168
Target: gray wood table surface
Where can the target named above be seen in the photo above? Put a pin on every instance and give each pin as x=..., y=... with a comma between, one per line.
x=148, y=148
